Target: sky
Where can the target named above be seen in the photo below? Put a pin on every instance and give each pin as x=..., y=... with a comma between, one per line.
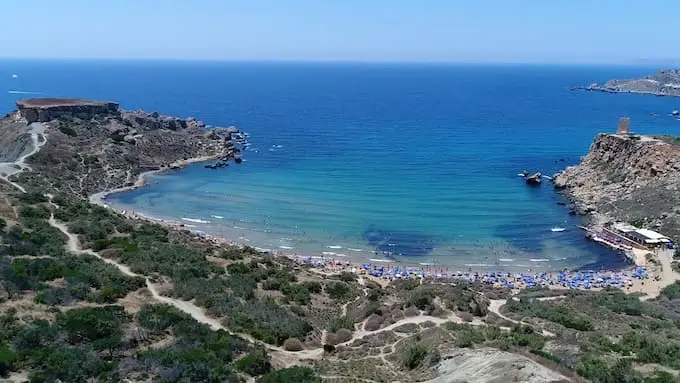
x=528, y=31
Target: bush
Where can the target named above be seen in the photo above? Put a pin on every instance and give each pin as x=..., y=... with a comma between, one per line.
x=293, y=374
x=328, y=348
x=292, y=344
x=346, y=276
x=337, y=290
x=671, y=292
x=414, y=356
x=8, y=358
x=313, y=287
x=99, y=326
x=338, y=323
x=255, y=363
x=468, y=338
x=298, y=293
x=32, y=198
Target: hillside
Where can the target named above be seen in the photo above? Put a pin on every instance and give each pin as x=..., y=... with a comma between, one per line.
x=628, y=178
x=662, y=83
x=90, y=295
x=94, y=147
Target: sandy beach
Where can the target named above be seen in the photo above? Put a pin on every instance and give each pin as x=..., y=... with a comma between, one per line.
x=649, y=283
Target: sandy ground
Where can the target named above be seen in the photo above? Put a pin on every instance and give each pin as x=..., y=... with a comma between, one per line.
x=484, y=365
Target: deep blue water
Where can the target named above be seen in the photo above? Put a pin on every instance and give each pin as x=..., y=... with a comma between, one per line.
x=413, y=159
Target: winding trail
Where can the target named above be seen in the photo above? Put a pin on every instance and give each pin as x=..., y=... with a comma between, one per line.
x=496, y=304
x=73, y=245
x=38, y=139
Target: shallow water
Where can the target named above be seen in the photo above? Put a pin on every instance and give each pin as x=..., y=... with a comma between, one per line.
x=411, y=162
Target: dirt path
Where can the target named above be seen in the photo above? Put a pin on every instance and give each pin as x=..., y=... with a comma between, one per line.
x=73, y=245
x=668, y=275
x=38, y=140
x=496, y=304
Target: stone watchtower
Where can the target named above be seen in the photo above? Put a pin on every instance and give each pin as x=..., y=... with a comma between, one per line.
x=624, y=126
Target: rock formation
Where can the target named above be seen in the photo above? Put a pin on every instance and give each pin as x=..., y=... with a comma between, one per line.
x=47, y=109
x=662, y=83
x=627, y=178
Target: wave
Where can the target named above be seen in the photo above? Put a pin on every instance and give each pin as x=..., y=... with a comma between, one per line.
x=506, y=260
x=539, y=260
x=327, y=253
x=286, y=247
x=351, y=249
x=195, y=220
x=217, y=216
x=478, y=265
x=427, y=263
x=22, y=92
x=334, y=247
x=341, y=255
x=380, y=260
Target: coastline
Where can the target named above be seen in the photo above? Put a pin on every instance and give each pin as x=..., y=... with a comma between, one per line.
x=142, y=178
x=630, y=279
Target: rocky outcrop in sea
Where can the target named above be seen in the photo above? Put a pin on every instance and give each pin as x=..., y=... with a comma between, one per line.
x=662, y=83
x=628, y=178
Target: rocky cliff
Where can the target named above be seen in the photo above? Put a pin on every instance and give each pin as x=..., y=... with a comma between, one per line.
x=662, y=83
x=629, y=178
x=47, y=109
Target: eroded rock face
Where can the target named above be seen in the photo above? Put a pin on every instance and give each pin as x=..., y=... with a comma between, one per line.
x=48, y=109
x=626, y=178
x=154, y=121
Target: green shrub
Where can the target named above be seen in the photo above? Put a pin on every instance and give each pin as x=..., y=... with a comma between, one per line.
x=313, y=287
x=67, y=130
x=8, y=359
x=346, y=276
x=414, y=356
x=337, y=290
x=289, y=375
x=255, y=363
x=336, y=323
x=671, y=292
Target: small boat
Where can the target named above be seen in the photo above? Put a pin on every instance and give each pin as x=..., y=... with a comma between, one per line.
x=558, y=229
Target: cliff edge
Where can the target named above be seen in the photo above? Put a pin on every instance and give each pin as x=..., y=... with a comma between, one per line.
x=628, y=178
x=662, y=83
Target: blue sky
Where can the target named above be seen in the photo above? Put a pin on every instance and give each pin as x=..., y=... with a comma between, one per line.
x=552, y=31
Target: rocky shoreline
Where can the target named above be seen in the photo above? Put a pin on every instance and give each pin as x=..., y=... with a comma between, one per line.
x=626, y=178
x=662, y=83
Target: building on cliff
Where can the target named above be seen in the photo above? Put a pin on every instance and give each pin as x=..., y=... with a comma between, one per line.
x=47, y=109
x=624, y=126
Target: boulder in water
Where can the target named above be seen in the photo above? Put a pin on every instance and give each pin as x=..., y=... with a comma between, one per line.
x=534, y=179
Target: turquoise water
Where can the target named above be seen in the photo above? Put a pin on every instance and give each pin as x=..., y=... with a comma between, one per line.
x=416, y=163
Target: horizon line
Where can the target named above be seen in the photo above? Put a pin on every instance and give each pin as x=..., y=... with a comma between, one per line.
x=645, y=62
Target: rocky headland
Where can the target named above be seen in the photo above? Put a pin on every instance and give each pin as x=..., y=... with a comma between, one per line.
x=629, y=178
x=94, y=146
x=662, y=83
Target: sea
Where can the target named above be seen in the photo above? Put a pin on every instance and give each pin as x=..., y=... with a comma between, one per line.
x=372, y=162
